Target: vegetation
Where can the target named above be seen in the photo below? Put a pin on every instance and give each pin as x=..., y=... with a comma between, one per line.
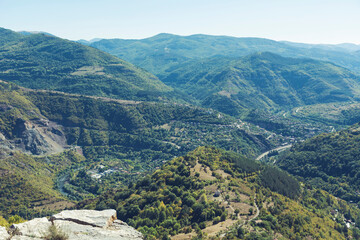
x=54, y=233
x=121, y=141
x=313, y=215
x=161, y=52
x=41, y=61
x=13, y=106
x=179, y=200
x=123, y=154
x=133, y=139
x=330, y=161
x=10, y=221
x=280, y=182
x=263, y=81
x=27, y=184
x=345, y=113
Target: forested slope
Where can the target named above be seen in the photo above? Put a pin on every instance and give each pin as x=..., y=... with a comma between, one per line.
x=41, y=61
x=126, y=139
x=330, y=161
x=263, y=81
x=200, y=194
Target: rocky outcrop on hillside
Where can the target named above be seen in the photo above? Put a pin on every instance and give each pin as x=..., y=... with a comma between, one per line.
x=36, y=137
x=76, y=225
x=41, y=136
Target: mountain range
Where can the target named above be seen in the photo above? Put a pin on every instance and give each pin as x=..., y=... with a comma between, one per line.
x=263, y=81
x=164, y=139
x=225, y=82
x=158, y=53
x=234, y=74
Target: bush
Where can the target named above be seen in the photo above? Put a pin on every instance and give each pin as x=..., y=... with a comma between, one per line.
x=216, y=220
x=202, y=225
x=55, y=233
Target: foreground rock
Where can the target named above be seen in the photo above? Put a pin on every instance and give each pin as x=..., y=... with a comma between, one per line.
x=79, y=225
x=3, y=233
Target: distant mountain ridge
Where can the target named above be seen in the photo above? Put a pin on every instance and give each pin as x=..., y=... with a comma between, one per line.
x=208, y=70
x=350, y=47
x=151, y=53
x=35, y=32
x=263, y=80
x=88, y=42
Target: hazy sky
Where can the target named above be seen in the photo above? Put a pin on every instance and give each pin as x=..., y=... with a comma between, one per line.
x=311, y=21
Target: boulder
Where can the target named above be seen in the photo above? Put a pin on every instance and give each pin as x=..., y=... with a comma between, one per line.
x=35, y=228
x=79, y=225
x=92, y=218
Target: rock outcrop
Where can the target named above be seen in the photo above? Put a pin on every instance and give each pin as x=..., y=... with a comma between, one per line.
x=3, y=233
x=41, y=136
x=77, y=225
x=38, y=137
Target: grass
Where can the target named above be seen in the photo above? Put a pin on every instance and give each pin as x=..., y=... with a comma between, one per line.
x=55, y=233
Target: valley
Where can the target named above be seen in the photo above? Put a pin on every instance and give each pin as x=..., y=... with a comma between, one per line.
x=197, y=137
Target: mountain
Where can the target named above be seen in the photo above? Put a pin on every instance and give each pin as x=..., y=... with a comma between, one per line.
x=8, y=36
x=330, y=161
x=45, y=62
x=158, y=53
x=87, y=126
x=349, y=47
x=262, y=80
x=88, y=42
x=27, y=184
x=23, y=128
x=35, y=32
x=57, y=147
x=211, y=192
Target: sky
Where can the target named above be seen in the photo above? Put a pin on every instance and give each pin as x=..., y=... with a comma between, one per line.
x=308, y=21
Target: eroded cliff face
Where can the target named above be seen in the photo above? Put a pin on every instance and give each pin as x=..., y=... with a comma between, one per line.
x=38, y=137
x=76, y=224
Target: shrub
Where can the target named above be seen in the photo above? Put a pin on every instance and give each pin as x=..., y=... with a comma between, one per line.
x=55, y=233
x=202, y=225
x=216, y=220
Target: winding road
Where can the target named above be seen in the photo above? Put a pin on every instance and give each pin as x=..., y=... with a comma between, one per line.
x=279, y=149
x=257, y=210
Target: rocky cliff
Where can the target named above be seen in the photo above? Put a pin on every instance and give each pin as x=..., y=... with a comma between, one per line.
x=36, y=137
x=75, y=225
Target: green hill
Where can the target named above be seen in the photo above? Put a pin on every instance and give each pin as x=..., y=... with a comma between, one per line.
x=27, y=184
x=330, y=161
x=120, y=141
x=8, y=36
x=263, y=80
x=41, y=61
x=131, y=139
x=210, y=193
x=158, y=53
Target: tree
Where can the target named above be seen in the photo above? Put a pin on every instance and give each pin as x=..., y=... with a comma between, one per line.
x=240, y=233
x=251, y=211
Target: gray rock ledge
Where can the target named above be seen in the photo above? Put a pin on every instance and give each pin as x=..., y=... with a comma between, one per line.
x=78, y=225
